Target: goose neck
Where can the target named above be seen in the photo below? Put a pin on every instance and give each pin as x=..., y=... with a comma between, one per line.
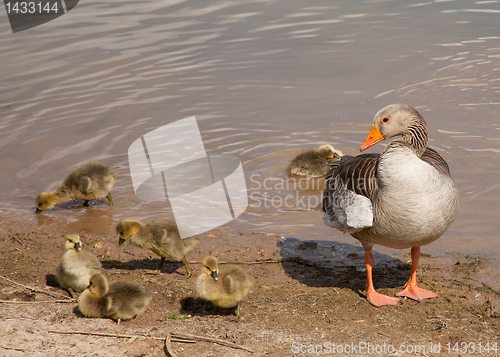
x=415, y=137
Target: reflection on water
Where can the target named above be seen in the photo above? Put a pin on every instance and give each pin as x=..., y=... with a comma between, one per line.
x=265, y=79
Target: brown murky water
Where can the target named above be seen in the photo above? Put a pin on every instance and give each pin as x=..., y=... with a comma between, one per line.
x=265, y=79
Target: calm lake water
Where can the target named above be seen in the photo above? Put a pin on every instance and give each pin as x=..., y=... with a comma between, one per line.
x=265, y=79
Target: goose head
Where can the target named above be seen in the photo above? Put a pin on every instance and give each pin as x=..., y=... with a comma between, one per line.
x=127, y=228
x=98, y=285
x=210, y=267
x=73, y=242
x=328, y=152
x=397, y=120
x=45, y=201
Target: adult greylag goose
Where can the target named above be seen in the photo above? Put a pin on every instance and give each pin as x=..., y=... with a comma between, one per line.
x=313, y=163
x=402, y=198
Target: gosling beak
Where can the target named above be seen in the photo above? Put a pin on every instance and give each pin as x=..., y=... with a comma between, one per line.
x=38, y=210
x=336, y=156
x=121, y=241
x=214, y=275
x=373, y=137
x=78, y=246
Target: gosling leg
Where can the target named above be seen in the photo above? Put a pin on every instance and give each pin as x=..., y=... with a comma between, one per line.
x=71, y=292
x=86, y=203
x=237, y=312
x=160, y=268
x=188, y=269
x=110, y=200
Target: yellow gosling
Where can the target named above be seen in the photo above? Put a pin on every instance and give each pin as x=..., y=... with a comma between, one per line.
x=162, y=237
x=313, y=163
x=76, y=266
x=120, y=300
x=226, y=286
x=91, y=181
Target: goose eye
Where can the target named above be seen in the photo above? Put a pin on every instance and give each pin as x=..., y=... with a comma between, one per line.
x=385, y=120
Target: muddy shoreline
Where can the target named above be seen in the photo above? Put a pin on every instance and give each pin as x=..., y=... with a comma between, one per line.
x=306, y=294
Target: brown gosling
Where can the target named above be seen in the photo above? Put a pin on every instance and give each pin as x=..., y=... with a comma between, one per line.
x=91, y=181
x=313, y=163
x=162, y=237
x=76, y=266
x=226, y=286
x=120, y=300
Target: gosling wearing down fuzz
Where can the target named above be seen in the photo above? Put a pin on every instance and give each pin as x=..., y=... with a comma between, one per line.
x=76, y=266
x=120, y=300
x=162, y=237
x=226, y=286
x=313, y=163
x=91, y=181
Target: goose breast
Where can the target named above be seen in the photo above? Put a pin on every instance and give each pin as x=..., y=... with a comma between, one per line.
x=416, y=203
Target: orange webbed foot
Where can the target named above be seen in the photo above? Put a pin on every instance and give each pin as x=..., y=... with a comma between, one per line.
x=378, y=300
x=416, y=293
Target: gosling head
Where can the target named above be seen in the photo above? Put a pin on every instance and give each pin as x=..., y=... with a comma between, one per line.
x=73, y=241
x=126, y=228
x=98, y=285
x=45, y=201
x=210, y=267
x=328, y=152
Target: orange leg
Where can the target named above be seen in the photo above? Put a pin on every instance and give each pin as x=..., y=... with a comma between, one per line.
x=373, y=297
x=411, y=289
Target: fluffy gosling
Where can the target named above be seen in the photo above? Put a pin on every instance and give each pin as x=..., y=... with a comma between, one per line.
x=226, y=286
x=312, y=163
x=91, y=181
x=162, y=237
x=76, y=266
x=120, y=300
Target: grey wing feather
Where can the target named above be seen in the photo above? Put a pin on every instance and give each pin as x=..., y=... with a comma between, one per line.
x=349, y=188
x=353, y=212
x=431, y=157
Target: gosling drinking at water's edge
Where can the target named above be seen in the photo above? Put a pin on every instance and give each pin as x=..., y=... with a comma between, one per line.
x=91, y=181
x=162, y=237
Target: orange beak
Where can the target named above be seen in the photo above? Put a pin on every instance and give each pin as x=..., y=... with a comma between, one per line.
x=373, y=138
